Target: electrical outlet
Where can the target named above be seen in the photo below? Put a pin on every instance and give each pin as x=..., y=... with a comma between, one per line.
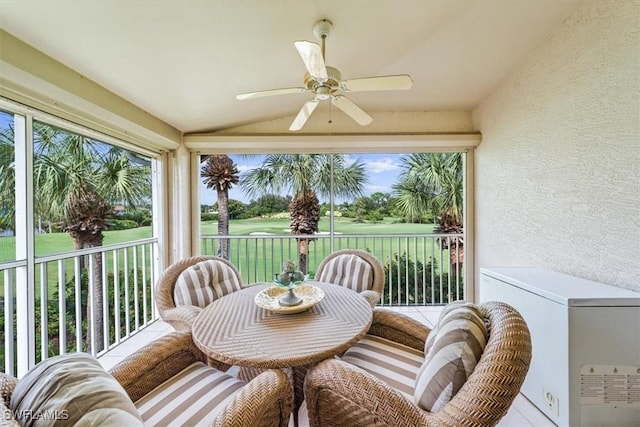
x=551, y=402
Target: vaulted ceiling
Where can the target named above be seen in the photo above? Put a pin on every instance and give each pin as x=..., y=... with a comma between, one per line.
x=185, y=61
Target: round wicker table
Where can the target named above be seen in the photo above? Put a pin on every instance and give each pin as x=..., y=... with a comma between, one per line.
x=236, y=331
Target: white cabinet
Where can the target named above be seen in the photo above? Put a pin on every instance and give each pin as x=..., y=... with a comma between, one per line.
x=585, y=367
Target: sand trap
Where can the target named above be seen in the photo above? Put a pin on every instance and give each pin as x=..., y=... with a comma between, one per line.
x=260, y=233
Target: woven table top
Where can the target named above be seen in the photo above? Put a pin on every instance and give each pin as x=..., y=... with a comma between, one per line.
x=234, y=330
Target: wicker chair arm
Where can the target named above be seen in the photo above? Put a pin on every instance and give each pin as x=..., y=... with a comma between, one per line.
x=372, y=297
x=155, y=363
x=7, y=384
x=334, y=396
x=181, y=317
x=264, y=402
x=399, y=328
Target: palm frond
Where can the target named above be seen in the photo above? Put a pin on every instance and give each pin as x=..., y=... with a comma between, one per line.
x=438, y=178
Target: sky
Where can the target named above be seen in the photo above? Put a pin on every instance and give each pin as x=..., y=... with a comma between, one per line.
x=382, y=172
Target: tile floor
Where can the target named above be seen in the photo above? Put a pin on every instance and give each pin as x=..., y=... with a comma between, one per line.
x=521, y=414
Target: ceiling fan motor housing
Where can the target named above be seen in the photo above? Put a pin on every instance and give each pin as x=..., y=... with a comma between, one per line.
x=324, y=89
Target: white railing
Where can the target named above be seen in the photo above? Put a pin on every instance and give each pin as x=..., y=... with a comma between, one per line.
x=419, y=268
x=63, y=285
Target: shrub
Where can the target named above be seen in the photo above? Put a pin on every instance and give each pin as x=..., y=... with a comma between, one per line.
x=209, y=217
x=374, y=216
x=412, y=282
x=137, y=215
x=280, y=215
x=122, y=224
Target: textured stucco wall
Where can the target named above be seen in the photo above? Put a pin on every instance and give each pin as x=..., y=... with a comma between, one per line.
x=558, y=169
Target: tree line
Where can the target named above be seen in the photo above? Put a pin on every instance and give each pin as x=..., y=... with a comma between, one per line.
x=430, y=186
x=372, y=208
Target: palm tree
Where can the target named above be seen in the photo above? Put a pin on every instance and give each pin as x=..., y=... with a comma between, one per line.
x=77, y=180
x=306, y=176
x=220, y=172
x=434, y=182
x=7, y=180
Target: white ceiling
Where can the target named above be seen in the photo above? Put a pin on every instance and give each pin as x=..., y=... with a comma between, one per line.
x=184, y=61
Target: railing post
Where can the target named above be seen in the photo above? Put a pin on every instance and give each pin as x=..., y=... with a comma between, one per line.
x=25, y=315
x=9, y=360
x=62, y=308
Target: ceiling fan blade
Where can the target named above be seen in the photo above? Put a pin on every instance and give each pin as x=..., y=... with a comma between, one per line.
x=352, y=110
x=304, y=114
x=398, y=82
x=270, y=92
x=311, y=55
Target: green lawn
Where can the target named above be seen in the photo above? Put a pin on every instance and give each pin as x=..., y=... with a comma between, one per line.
x=258, y=259
x=342, y=225
x=53, y=243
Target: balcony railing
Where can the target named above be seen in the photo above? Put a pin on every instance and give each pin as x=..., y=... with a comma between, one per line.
x=420, y=269
x=55, y=310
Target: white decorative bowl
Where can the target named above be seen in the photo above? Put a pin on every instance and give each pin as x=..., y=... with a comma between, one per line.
x=269, y=298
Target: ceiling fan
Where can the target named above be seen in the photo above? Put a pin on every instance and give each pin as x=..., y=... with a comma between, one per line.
x=326, y=82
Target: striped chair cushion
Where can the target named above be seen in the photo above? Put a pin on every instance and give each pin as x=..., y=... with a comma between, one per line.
x=204, y=282
x=452, y=351
x=350, y=271
x=76, y=390
x=393, y=363
x=195, y=396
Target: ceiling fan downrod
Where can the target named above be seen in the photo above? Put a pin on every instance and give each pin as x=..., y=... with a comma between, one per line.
x=321, y=30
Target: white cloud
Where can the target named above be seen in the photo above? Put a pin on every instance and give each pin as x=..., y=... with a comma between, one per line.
x=370, y=189
x=384, y=164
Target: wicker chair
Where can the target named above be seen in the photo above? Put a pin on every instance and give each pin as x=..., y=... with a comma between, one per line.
x=370, y=284
x=264, y=401
x=334, y=388
x=179, y=316
x=173, y=369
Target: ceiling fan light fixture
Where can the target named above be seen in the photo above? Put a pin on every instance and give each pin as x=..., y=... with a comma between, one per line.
x=323, y=93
